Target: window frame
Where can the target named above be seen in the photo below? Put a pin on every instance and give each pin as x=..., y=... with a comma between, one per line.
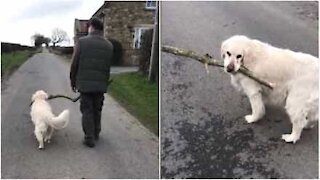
x=149, y=3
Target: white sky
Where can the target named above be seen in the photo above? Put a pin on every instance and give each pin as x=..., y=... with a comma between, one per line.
x=20, y=19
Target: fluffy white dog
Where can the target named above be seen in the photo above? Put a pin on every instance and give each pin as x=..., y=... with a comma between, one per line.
x=44, y=120
x=293, y=74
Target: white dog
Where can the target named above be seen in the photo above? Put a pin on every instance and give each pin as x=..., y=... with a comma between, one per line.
x=43, y=118
x=293, y=74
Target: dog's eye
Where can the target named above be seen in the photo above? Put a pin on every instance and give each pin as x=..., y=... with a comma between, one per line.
x=223, y=56
x=239, y=56
x=229, y=54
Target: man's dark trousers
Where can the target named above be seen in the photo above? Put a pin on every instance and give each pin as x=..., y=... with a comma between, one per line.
x=91, y=107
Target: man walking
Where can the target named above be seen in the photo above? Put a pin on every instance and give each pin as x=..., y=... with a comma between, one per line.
x=89, y=74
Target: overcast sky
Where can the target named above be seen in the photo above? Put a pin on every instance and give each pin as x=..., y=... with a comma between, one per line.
x=20, y=19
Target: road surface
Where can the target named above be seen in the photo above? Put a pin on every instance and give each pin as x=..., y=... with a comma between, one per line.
x=125, y=150
x=203, y=132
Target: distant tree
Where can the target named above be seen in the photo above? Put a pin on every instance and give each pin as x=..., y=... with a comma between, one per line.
x=47, y=41
x=38, y=39
x=58, y=36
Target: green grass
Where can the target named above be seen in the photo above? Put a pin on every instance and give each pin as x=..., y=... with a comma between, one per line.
x=138, y=96
x=11, y=61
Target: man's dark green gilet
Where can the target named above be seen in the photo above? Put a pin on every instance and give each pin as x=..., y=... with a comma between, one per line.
x=94, y=63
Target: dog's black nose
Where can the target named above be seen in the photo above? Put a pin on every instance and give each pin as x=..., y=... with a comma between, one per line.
x=230, y=68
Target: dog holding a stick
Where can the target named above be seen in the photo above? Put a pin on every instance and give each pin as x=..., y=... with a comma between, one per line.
x=294, y=75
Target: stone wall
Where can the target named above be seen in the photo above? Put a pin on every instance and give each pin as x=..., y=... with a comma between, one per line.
x=11, y=47
x=120, y=18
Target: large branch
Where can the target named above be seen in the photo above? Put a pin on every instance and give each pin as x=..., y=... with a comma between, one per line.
x=207, y=60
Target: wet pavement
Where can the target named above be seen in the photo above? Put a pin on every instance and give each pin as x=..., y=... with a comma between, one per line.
x=203, y=132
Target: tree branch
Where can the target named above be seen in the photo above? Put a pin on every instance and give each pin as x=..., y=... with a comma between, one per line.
x=207, y=60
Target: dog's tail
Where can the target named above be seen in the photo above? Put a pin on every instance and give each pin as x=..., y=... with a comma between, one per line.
x=61, y=121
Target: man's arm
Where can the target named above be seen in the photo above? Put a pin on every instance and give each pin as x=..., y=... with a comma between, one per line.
x=109, y=63
x=74, y=65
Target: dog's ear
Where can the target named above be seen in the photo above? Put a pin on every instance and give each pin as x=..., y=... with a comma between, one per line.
x=222, y=49
x=242, y=59
x=46, y=96
x=251, y=52
x=33, y=97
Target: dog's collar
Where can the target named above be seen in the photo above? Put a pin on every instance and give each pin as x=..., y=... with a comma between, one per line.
x=33, y=102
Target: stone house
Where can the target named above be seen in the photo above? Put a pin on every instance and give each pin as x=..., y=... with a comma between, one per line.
x=124, y=24
x=80, y=28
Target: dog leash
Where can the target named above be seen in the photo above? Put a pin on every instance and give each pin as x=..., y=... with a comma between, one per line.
x=63, y=96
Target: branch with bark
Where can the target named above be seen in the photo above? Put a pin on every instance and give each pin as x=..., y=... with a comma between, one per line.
x=208, y=60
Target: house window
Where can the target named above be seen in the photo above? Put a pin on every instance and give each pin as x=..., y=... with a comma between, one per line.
x=151, y=4
x=137, y=39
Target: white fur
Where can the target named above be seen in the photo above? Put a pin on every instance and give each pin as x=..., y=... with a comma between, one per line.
x=44, y=120
x=293, y=74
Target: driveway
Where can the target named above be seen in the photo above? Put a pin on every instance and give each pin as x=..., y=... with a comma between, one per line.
x=125, y=150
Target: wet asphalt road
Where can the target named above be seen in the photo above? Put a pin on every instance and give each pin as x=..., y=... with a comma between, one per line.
x=125, y=150
x=204, y=134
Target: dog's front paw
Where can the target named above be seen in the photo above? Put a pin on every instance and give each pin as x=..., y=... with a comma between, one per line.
x=40, y=147
x=290, y=138
x=47, y=140
x=250, y=119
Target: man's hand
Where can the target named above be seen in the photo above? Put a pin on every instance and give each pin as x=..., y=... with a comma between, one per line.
x=74, y=66
x=73, y=86
x=74, y=89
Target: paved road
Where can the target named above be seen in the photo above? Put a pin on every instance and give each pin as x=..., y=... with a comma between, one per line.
x=203, y=132
x=126, y=149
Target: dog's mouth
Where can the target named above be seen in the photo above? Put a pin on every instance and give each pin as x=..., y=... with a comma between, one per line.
x=230, y=69
x=232, y=72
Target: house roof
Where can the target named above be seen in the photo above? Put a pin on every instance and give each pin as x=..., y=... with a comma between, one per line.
x=100, y=10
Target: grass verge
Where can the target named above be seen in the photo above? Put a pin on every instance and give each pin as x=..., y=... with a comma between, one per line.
x=12, y=61
x=138, y=96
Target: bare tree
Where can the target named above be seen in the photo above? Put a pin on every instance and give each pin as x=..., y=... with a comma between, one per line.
x=58, y=36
